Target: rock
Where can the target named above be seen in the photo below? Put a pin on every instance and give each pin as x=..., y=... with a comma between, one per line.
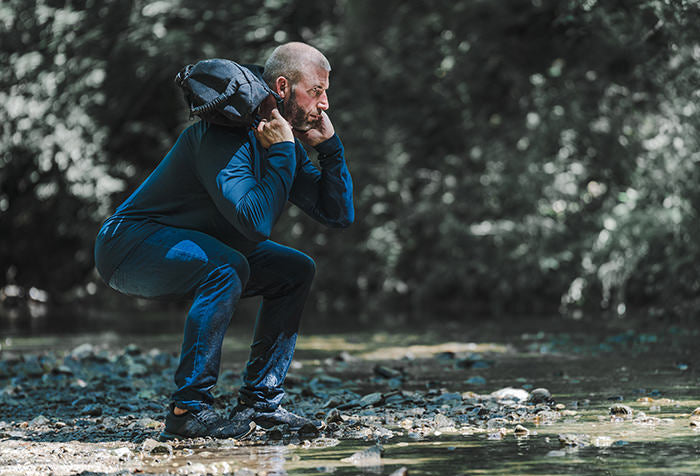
x=576, y=440
x=621, y=411
x=602, y=441
x=32, y=366
x=92, y=410
x=695, y=415
x=476, y=380
x=308, y=430
x=334, y=417
x=521, y=431
x=132, y=349
x=509, y=393
x=275, y=433
x=152, y=447
x=540, y=395
x=448, y=398
x=40, y=420
x=402, y=471
x=83, y=351
x=371, y=399
x=370, y=457
x=556, y=454
x=559, y=406
x=238, y=472
x=442, y=422
x=386, y=372
x=123, y=453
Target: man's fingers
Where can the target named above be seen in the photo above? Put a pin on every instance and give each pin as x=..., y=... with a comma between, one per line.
x=275, y=114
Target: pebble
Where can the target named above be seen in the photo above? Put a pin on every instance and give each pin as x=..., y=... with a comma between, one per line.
x=540, y=395
x=521, y=431
x=334, y=416
x=154, y=447
x=387, y=372
x=509, y=393
x=40, y=420
x=371, y=399
x=621, y=411
x=402, y=471
x=368, y=457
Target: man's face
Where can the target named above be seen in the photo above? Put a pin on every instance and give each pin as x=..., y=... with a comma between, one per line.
x=308, y=99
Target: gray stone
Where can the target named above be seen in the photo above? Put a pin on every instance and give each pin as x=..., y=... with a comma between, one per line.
x=540, y=395
x=371, y=399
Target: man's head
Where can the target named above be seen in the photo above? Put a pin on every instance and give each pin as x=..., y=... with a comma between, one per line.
x=299, y=74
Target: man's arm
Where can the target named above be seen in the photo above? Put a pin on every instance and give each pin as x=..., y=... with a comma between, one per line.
x=250, y=205
x=326, y=194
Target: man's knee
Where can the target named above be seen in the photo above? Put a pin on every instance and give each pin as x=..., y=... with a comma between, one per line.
x=233, y=274
x=304, y=268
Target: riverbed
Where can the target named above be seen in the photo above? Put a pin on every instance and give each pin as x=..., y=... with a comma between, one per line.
x=459, y=398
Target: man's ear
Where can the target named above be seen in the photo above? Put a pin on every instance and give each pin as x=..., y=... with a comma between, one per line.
x=282, y=86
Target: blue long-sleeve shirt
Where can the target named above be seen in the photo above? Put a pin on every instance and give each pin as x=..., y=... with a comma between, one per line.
x=220, y=181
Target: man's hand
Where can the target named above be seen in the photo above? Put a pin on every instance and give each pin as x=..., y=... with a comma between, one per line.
x=276, y=130
x=322, y=132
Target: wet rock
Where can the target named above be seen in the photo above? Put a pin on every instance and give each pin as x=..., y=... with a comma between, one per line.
x=498, y=434
x=83, y=351
x=308, y=430
x=575, y=440
x=540, y=395
x=275, y=433
x=443, y=423
x=371, y=457
x=334, y=416
x=475, y=381
x=242, y=472
x=123, y=453
x=695, y=415
x=494, y=423
x=40, y=420
x=91, y=410
x=509, y=393
x=602, y=441
x=448, y=398
x=621, y=411
x=387, y=372
x=521, y=431
x=371, y=399
x=402, y=471
x=132, y=350
x=556, y=454
x=153, y=447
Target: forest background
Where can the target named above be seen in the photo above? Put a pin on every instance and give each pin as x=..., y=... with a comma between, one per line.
x=509, y=158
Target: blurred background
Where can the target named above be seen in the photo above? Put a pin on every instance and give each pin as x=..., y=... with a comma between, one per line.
x=510, y=158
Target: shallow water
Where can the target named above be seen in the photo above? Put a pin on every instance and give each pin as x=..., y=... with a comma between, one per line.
x=586, y=366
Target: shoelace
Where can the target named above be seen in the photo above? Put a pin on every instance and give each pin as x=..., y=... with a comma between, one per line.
x=208, y=415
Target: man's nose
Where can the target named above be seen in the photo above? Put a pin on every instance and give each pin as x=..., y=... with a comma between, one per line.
x=323, y=103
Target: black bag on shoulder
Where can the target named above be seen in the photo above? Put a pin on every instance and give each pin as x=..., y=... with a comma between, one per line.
x=223, y=92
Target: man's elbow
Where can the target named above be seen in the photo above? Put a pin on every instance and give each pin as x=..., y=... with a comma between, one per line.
x=344, y=221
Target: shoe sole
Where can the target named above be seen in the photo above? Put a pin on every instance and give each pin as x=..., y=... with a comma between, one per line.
x=266, y=424
x=167, y=436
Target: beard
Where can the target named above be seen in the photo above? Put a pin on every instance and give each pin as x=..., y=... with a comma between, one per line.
x=297, y=117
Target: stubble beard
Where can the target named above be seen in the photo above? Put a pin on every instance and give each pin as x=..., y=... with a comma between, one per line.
x=297, y=117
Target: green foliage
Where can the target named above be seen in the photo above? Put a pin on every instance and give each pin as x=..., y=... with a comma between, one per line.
x=521, y=156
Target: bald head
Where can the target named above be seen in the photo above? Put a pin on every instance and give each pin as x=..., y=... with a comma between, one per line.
x=292, y=60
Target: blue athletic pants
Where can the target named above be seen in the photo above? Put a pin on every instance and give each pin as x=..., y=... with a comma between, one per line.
x=180, y=262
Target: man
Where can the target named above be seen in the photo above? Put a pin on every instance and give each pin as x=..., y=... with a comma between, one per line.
x=199, y=226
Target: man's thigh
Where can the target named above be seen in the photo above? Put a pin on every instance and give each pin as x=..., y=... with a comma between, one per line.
x=173, y=262
x=274, y=267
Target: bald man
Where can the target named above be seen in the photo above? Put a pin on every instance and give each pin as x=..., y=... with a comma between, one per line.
x=199, y=226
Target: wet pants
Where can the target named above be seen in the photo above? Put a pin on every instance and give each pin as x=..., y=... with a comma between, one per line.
x=180, y=262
